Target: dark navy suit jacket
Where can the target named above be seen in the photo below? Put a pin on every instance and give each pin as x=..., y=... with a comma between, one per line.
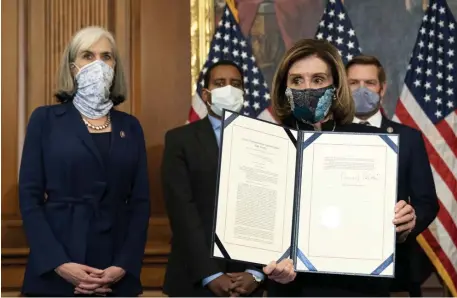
x=416, y=186
x=64, y=185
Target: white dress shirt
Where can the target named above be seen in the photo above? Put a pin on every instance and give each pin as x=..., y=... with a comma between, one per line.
x=374, y=120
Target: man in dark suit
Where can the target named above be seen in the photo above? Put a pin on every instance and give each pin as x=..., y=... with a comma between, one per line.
x=367, y=79
x=189, y=175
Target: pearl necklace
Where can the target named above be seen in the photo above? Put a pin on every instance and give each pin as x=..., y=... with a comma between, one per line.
x=98, y=127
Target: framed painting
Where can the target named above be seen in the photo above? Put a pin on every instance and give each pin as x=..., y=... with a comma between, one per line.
x=272, y=26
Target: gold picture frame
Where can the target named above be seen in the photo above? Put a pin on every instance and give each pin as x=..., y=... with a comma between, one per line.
x=201, y=31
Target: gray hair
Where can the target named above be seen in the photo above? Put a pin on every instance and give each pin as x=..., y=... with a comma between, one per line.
x=82, y=41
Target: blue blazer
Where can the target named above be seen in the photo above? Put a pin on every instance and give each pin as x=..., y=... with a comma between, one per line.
x=64, y=186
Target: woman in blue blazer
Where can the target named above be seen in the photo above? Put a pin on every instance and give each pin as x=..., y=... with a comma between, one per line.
x=83, y=185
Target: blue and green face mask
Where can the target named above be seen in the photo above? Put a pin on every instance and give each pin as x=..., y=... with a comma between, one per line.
x=310, y=105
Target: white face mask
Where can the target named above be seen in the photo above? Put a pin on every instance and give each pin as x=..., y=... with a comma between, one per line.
x=92, y=95
x=228, y=97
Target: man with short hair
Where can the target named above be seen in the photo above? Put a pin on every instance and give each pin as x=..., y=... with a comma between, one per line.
x=189, y=177
x=367, y=80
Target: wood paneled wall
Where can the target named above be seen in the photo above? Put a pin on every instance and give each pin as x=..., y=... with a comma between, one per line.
x=154, y=44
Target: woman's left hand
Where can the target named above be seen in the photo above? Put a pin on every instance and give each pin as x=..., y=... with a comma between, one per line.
x=405, y=218
x=113, y=273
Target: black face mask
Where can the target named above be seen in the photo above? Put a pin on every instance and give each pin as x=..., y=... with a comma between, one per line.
x=310, y=105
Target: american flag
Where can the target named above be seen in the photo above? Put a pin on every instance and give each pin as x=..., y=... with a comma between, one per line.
x=335, y=27
x=229, y=44
x=428, y=102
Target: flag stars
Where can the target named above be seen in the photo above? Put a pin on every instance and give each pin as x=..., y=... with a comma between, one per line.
x=451, y=26
x=255, y=82
x=329, y=38
x=418, y=70
x=429, y=59
x=330, y=26
x=320, y=35
x=417, y=83
x=340, y=28
x=322, y=23
x=421, y=44
x=428, y=72
x=235, y=53
x=227, y=25
x=439, y=75
x=255, y=70
x=442, y=10
x=449, y=79
x=339, y=40
x=438, y=114
x=215, y=60
x=351, y=32
x=420, y=57
x=449, y=91
x=226, y=37
x=451, y=40
x=428, y=85
x=439, y=101
x=439, y=88
x=423, y=31
x=427, y=98
x=266, y=96
x=256, y=105
x=331, y=13
x=450, y=104
x=450, y=52
x=244, y=55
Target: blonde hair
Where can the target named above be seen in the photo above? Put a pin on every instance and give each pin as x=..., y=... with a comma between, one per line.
x=82, y=41
x=342, y=108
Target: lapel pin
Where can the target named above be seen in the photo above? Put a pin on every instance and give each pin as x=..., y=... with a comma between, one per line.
x=390, y=129
x=122, y=134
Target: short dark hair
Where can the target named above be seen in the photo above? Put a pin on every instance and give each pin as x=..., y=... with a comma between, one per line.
x=369, y=60
x=207, y=75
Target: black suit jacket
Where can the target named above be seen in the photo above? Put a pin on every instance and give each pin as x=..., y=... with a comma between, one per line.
x=416, y=186
x=189, y=177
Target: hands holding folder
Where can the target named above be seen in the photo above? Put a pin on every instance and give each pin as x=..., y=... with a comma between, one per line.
x=312, y=201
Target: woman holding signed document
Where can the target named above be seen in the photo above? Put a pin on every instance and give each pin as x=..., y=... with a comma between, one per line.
x=310, y=92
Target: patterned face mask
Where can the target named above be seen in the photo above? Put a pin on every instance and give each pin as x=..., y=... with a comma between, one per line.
x=310, y=105
x=92, y=95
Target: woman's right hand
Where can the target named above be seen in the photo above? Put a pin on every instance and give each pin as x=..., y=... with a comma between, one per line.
x=80, y=276
x=282, y=272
